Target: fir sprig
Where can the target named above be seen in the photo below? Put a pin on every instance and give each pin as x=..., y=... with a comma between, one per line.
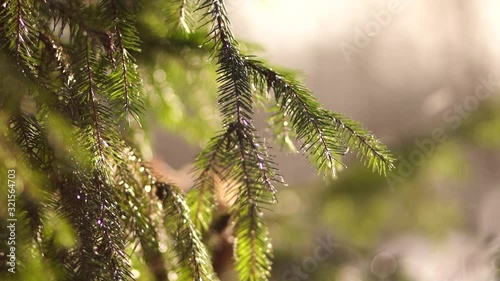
x=19, y=21
x=98, y=122
x=180, y=15
x=244, y=159
x=325, y=134
x=202, y=196
x=192, y=253
x=371, y=151
x=135, y=183
x=238, y=156
x=101, y=253
x=124, y=82
x=30, y=136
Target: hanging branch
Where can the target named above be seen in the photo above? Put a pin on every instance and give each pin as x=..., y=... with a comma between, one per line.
x=193, y=258
x=124, y=83
x=29, y=135
x=98, y=128
x=325, y=134
x=134, y=187
x=100, y=254
x=244, y=158
x=18, y=22
x=179, y=14
x=201, y=197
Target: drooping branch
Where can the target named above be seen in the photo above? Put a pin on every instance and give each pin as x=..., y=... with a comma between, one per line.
x=194, y=259
x=326, y=135
x=244, y=159
x=124, y=83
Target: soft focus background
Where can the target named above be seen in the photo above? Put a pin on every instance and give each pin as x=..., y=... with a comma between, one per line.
x=424, y=76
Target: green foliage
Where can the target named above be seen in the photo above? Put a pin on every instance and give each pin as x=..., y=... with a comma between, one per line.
x=124, y=82
x=72, y=105
x=326, y=135
x=192, y=254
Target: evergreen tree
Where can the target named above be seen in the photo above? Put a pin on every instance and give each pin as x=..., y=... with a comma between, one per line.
x=72, y=104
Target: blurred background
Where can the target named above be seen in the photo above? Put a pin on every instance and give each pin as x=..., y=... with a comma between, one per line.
x=424, y=76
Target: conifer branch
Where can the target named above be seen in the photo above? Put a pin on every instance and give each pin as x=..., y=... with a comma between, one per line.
x=194, y=259
x=201, y=197
x=132, y=181
x=61, y=96
x=29, y=135
x=98, y=128
x=253, y=250
x=243, y=160
x=124, y=82
x=309, y=121
x=326, y=135
x=253, y=191
x=371, y=151
x=92, y=98
x=101, y=254
x=18, y=25
x=179, y=15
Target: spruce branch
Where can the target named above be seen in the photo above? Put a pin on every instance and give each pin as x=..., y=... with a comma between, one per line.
x=124, y=82
x=98, y=127
x=179, y=14
x=18, y=25
x=253, y=191
x=88, y=202
x=253, y=250
x=326, y=135
x=244, y=159
x=235, y=95
x=194, y=259
x=134, y=187
x=201, y=197
x=309, y=121
x=371, y=151
x=30, y=137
